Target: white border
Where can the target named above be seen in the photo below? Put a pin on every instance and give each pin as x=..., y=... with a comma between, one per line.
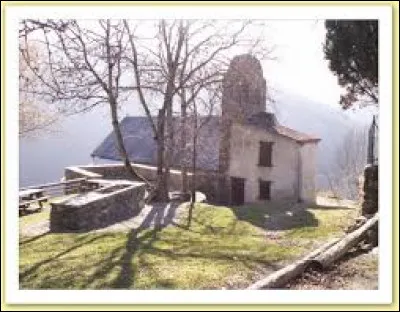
x=383, y=295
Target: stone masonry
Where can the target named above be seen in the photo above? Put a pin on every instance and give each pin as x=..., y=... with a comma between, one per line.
x=114, y=202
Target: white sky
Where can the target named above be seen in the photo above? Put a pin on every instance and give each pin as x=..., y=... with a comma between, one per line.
x=301, y=68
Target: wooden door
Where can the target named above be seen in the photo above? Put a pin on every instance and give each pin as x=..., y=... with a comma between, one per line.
x=237, y=191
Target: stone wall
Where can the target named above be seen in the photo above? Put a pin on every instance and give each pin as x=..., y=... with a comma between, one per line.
x=97, y=209
x=206, y=182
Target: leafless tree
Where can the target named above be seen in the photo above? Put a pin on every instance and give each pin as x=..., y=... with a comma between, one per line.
x=34, y=116
x=349, y=163
x=82, y=67
x=110, y=61
x=183, y=55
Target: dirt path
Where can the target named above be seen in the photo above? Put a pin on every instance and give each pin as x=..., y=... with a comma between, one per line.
x=357, y=270
x=153, y=215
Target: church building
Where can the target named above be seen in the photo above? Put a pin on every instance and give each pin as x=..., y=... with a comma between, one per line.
x=245, y=155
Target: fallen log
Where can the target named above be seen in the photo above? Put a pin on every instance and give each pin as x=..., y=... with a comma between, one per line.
x=318, y=259
x=284, y=275
x=330, y=255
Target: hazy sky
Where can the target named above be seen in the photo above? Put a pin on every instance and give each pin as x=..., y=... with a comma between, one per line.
x=301, y=68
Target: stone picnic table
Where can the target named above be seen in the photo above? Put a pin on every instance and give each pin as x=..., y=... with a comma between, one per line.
x=31, y=196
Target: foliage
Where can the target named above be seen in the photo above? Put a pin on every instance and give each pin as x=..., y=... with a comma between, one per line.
x=351, y=47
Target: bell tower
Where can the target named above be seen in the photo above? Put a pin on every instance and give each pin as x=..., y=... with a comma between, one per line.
x=243, y=95
x=244, y=89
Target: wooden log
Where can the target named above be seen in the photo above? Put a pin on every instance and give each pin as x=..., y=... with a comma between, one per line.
x=284, y=275
x=319, y=258
x=329, y=256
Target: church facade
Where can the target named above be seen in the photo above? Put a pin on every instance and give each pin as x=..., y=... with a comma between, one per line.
x=262, y=159
x=248, y=156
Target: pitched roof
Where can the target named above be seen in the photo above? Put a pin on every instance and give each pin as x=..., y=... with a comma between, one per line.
x=299, y=137
x=141, y=146
x=268, y=121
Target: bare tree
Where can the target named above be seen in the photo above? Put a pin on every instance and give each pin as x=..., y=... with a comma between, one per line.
x=108, y=61
x=207, y=104
x=34, y=116
x=182, y=55
x=83, y=67
x=350, y=160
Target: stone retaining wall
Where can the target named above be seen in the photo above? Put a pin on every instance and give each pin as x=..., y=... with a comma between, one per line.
x=97, y=209
x=206, y=182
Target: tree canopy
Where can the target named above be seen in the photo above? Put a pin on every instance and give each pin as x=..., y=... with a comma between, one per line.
x=351, y=47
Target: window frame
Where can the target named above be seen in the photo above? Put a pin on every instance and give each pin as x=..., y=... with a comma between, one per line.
x=265, y=160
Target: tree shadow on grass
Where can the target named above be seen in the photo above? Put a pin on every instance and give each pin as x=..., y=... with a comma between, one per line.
x=159, y=217
x=38, y=265
x=24, y=240
x=205, y=257
x=140, y=245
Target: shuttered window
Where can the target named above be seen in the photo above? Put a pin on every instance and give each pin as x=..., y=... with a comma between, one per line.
x=265, y=155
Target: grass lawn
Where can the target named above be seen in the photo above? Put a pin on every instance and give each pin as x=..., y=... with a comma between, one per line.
x=34, y=216
x=224, y=247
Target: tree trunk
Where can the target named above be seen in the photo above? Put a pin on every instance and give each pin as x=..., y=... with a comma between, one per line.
x=165, y=122
x=328, y=257
x=161, y=193
x=193, y=186
x=120, y=143
x=169, y=142
x=321, y=258
x=183, y=147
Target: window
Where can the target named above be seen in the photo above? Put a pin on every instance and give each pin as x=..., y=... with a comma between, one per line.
x=265, y=156
x=265, y=190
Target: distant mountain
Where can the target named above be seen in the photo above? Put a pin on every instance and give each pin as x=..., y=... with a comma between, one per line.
x=328, y=122
x=43, y=159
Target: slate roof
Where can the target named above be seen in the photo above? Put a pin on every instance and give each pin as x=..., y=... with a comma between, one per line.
x=141, y=146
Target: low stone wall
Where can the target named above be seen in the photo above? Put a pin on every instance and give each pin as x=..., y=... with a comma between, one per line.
x=206, y=182
x=99, y=208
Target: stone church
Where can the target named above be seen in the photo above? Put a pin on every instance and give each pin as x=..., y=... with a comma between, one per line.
x=245, y=154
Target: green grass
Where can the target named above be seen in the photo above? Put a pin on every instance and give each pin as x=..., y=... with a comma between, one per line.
x=308, y=222
x=223, y=247
x=34, y=217
x=330, y=223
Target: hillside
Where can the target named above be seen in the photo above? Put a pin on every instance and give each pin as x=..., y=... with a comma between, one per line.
x=328, y=122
